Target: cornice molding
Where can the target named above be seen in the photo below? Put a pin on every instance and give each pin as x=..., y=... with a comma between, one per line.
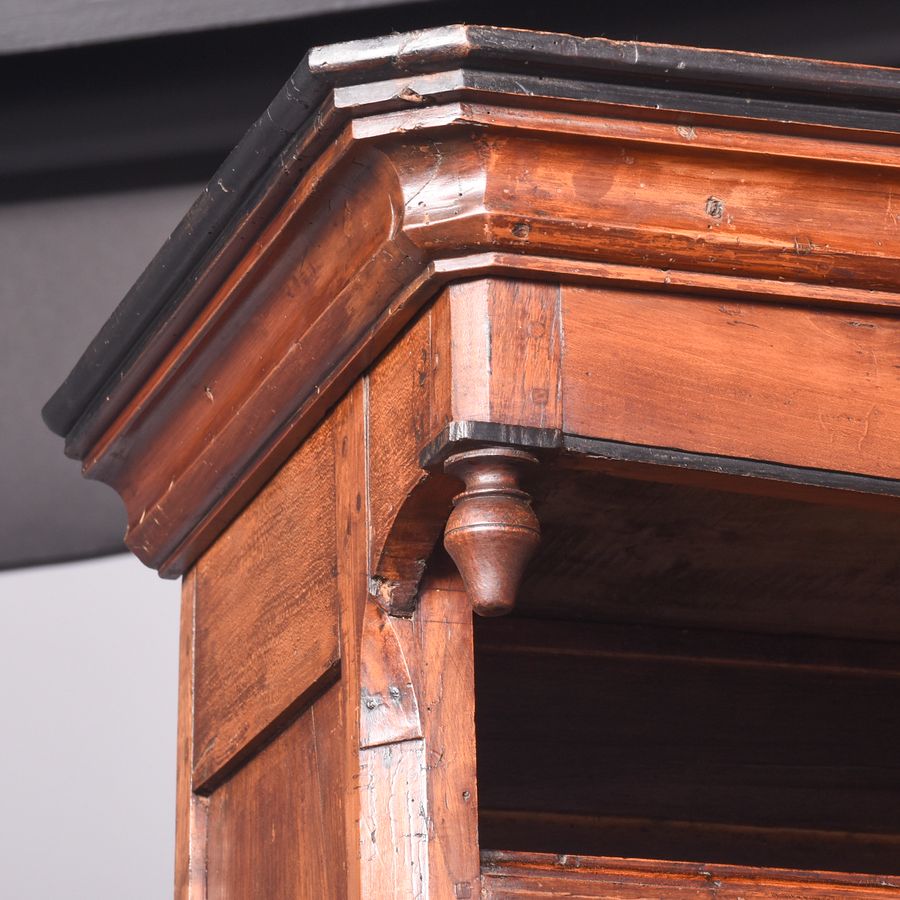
x=264, y=312
x=336, y=83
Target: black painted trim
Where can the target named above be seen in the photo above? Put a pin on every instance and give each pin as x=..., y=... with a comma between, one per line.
x=463, y=435
x=662, y=76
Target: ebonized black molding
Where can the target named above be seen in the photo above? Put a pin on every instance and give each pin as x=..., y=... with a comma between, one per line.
x=464, y=435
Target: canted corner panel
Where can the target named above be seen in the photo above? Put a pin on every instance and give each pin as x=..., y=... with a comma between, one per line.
x=267, y=621
x=503, y=341
x=800, y=386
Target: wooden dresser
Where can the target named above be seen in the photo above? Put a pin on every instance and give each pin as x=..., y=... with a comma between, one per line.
x=621, y=324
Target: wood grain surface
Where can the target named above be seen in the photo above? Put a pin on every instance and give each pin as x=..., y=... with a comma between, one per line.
x=346, y=81
x=351, y=524
x=382, y=220
x=806, y=387
x=445, y=677
x=512, y=875
x=409, y=402
x=272, y=825
x=619, y=264
x=190, y=808
x=501, y=339
x=267, y=623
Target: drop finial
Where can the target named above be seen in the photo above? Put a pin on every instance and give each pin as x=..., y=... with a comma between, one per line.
x=493, y=531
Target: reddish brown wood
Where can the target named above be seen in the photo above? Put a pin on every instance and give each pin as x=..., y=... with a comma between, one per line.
x=445, y=677
x=812, y=387
x=409, y=508
x=351, y=524
x=492, y=531
x=419, y=822
x=190, y=809
x=377, y=434
x=510, y=875
x=525, y=353
x=266, y=636
x=466, y=344
x=689, y=313
x=501, y=339
x=272, y=826
x=805, y=216
x=338, y=811
x=388, y=707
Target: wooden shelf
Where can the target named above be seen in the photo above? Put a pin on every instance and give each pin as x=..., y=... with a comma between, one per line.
x=507, y=875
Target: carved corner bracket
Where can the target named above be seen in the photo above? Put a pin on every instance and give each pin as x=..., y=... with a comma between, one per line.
x=493, y=531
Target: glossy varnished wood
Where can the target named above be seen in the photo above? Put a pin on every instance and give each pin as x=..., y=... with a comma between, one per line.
x=493, y=531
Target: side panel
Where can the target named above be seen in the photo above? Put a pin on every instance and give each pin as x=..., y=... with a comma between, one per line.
x=270, y=681
x=264, y=771
x=267, y=629
x=274, y=824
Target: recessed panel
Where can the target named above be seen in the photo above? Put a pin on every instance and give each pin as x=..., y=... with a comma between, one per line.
x=755, y=752
x=266, y=629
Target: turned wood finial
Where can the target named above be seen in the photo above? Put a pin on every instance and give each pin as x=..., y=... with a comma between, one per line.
x=492, y=530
